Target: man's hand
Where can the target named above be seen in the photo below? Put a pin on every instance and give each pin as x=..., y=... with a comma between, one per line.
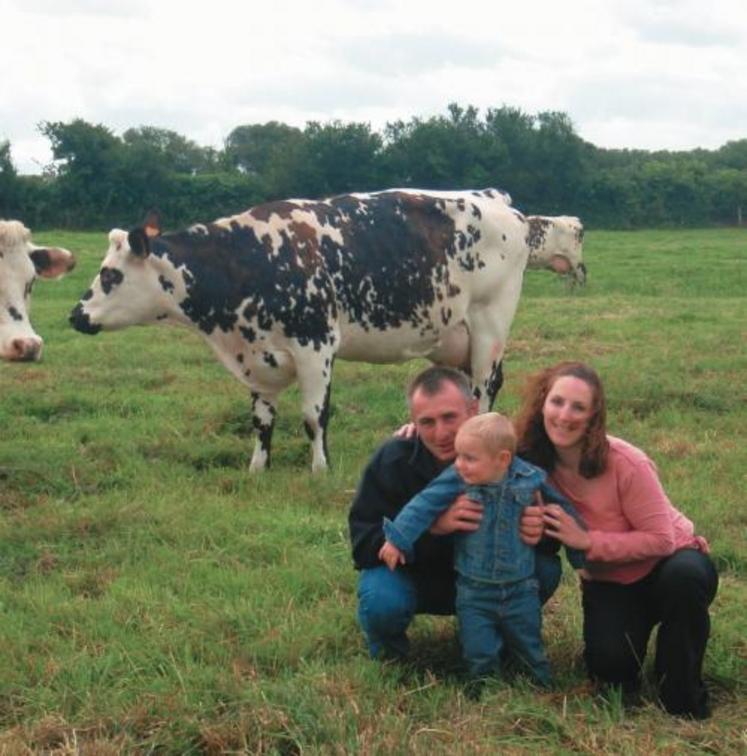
x=391, y=555
x=532, y=525
x=463, y=515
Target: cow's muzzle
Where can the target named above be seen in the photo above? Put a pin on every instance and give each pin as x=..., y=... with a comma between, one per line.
x=27, y=349
x=81, y=322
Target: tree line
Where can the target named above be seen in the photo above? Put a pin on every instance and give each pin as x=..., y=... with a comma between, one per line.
x=99, y=180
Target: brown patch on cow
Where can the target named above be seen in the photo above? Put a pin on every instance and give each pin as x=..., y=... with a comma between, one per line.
x=439, y=235
x=305, y=240
x=264, y=212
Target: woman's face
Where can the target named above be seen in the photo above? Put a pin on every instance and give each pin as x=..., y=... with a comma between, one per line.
x=567, y=410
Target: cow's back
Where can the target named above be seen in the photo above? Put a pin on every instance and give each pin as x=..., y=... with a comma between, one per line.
x=407, y=265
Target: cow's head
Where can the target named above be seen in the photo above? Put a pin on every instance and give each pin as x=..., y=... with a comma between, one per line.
x=556, y=242
x=20, y=263
x=126, y=290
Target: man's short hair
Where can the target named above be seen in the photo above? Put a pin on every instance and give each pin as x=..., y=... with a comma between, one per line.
x=431, y=380
x=494, y=430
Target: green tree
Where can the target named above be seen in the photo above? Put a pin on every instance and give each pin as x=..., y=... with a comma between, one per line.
x=9, y=184
x=172, y=151
x=89, y=160
x=452, y=151
x=254, y=148
x=330, y=159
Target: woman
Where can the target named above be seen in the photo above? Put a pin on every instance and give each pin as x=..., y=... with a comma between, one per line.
x=645, y=565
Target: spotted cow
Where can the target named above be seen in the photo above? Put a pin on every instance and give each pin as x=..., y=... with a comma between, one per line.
x=284, y=288
x=20, y=263
x=556, y=242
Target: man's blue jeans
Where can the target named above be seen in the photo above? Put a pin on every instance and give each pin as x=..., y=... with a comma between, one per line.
x=388, y=601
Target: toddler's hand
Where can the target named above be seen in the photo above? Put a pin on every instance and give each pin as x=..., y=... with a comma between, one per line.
x=391, y=555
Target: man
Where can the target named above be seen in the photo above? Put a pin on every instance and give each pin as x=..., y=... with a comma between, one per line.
x=440, y=400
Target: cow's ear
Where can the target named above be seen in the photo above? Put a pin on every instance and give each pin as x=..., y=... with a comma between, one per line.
x=52, y=262
x=139, y=242
x=152, y=223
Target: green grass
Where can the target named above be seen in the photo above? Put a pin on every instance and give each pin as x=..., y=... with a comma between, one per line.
x=156, y=597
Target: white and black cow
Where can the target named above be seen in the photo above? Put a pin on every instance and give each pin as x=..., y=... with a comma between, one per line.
x=20, y=263
x=283, y=289
x=556, y=242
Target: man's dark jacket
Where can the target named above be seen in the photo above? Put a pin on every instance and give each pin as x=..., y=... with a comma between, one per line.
x=398, y=470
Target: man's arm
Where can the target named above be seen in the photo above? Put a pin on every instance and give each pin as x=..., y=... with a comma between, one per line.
x=372, y=503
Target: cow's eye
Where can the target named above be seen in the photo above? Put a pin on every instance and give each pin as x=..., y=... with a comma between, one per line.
x=110, y=277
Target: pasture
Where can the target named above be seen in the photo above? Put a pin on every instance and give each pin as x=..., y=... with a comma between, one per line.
x=155, y=597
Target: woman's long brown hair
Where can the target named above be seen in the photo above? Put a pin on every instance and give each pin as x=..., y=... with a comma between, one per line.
x=533, y=443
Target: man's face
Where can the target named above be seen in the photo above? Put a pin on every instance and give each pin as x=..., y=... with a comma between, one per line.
x=439, y=416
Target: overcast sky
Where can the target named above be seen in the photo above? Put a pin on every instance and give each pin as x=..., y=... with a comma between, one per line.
x=654, y=74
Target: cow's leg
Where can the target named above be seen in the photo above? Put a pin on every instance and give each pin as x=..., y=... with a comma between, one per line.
x=494, y=383
x=314, y=372
x=264, y=409
x=487, y=374
x=488, y=335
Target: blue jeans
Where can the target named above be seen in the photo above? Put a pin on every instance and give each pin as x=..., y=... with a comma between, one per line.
x=388, y=601
x=494, y=614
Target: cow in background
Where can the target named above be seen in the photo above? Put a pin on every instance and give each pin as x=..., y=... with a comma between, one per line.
x=284, y=288
x=556, y=242
x=20, y=263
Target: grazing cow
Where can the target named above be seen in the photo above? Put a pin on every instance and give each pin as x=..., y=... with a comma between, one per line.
x=20, y=263
x=557, y=243
x=282, y=289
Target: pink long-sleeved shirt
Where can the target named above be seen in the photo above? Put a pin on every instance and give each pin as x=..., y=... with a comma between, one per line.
x=631, y=521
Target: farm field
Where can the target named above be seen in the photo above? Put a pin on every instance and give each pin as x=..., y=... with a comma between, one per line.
x=156, y=597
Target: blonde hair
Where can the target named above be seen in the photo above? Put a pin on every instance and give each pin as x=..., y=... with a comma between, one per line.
x=494, y=430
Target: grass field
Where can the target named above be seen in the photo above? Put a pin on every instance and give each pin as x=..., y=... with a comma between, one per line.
x=155, y=597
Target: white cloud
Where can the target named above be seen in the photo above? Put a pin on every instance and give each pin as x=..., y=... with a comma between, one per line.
x=655, y=74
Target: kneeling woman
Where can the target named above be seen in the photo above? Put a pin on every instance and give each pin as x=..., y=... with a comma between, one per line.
x=645, y=565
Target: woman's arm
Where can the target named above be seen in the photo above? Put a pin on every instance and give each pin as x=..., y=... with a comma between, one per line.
x=638, y=513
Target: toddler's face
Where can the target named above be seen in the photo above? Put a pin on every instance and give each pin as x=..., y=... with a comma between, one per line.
x=475, y=464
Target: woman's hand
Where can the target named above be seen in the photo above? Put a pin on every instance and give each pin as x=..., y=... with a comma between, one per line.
x=531, y=525
x=559, y=524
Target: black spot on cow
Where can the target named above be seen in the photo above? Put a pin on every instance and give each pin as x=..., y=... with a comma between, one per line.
x=166, y=285
x=248, y=333
x=240, y=358
x=110, y=277
x=393, y=257
x=15, y=314
x=495, y=381
x=537, y=232
x=230, y=266
x=269, y=358
x=162, y=316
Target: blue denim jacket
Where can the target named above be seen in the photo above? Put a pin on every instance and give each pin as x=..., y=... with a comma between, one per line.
x=495, y=552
